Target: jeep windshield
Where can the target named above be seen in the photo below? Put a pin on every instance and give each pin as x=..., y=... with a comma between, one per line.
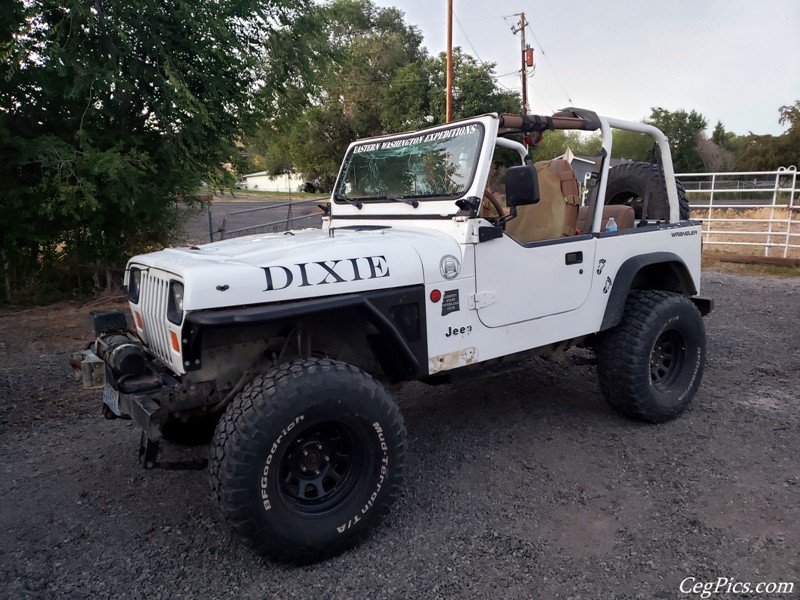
x=421, y=165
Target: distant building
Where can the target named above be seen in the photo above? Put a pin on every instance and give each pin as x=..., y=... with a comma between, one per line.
x=262, y=181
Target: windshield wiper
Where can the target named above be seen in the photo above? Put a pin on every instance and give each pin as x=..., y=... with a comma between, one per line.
x=403, y=199
x=353, y=201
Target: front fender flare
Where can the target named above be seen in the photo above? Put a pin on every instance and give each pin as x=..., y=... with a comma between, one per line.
x=371, y=305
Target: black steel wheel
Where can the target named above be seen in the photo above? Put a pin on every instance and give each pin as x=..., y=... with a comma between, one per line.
x=307, y=459
x=320, y=467
x=666, y=359
x=651, y=364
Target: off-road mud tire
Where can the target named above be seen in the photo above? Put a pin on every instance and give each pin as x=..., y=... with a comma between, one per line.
x=651, y=364
x=268, y=466
x=631, y=183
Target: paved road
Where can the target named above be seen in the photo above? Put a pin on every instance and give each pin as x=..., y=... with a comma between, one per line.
x=257, y=216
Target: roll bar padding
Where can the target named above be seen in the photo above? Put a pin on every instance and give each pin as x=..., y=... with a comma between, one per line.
x=566, y=118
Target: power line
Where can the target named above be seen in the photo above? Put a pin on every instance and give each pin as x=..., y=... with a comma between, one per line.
x=480, y=60
x=483, y=64
x=546, y=103
x=544, y=54
x=538, y=95
x=504, y=86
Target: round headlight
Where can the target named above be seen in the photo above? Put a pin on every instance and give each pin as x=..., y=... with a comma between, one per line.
x=134, y=280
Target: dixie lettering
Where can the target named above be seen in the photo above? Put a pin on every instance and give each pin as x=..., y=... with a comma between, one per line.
x=324, y=272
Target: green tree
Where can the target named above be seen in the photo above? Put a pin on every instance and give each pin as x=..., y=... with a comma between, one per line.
x=417, y=96
x=767, y=152
x=555, y=143
x=719, y=136
x=474, y=89
x=682, y=130
x=111, y=112
x=376, y=78
x=362, y=50
x=631, y=145
x=726, y=140
x=407, y=104
x=790, y=115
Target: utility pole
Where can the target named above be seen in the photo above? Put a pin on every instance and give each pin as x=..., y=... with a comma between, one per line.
x=449, y=109
x=524, y=55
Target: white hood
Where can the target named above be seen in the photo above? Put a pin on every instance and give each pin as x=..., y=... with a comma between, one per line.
x=309, y=263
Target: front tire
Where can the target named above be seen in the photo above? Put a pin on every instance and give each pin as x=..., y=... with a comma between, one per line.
x=651, y=364
x=307, y=460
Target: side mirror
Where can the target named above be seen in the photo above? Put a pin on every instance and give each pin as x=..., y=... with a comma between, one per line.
x=522, y=186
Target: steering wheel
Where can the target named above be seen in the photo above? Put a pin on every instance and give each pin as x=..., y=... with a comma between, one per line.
x=489, y=197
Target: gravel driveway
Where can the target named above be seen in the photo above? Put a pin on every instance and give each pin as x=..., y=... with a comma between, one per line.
x=519, y=486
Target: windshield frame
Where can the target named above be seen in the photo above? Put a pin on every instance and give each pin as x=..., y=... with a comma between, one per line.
x=341, y=199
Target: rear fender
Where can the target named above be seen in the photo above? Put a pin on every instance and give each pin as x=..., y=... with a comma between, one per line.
x=654, y=271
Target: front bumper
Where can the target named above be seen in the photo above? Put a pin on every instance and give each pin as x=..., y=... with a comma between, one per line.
x=151, y=399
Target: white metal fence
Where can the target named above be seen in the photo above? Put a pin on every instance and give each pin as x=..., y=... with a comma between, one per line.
x=748, y=213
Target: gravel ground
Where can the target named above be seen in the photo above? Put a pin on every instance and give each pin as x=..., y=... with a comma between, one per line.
x=522, y=485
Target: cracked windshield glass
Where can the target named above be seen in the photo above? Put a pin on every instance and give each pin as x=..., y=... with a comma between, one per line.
x=424, y=165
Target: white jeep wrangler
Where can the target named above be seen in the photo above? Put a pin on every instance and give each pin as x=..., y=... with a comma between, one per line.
x=280, y=347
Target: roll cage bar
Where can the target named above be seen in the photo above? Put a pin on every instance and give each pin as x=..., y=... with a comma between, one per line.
x=579, y=119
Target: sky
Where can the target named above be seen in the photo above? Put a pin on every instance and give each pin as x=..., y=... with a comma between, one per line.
x=734, y=61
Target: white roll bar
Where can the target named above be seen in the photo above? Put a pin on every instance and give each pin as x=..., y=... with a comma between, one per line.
x=666, y=160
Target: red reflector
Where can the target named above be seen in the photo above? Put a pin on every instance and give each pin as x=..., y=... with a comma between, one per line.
x=138, y=320
x=436, y=295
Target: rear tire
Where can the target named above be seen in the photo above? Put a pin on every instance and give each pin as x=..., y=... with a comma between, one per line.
x=307, y=459
x=651, y=364
x=630, y=183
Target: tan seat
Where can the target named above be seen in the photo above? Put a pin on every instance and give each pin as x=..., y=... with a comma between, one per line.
x=556, y=213
x=623, y=215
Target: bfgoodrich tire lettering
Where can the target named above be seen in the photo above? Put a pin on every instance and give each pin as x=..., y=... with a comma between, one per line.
x=651, y=364
x=307, y=459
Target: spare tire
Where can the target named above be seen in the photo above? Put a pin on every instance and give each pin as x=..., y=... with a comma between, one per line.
x=637, y=184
